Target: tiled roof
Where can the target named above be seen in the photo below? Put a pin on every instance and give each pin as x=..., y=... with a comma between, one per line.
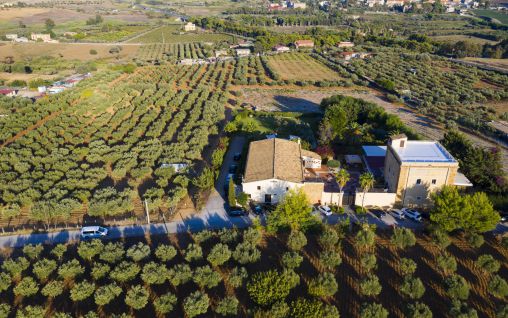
x=274, y=159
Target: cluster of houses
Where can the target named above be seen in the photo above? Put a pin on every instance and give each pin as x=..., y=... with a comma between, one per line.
x=284, y=5
x=55, y=88
x=411, y=170
x=451, y=6
x=34, y=37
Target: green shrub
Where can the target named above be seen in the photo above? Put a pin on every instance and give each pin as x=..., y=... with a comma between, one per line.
x=330, y=259
x=53, y=289
x=291, y=260
x=26, y=287
x=245, y=253
x=296, y=241
x=193, y=253
x=43, y=268
x=237, y=276
x=329, y=239
x=5, y=281
x=370, y=286
x=112, y=252
x=154, y=273
x=82, y=291
x=219, y=254
x=304, y=308
x=137, y=297
x=30, y=312
x=138, y=252
x=447, y=263
x=462, y=310
x=418, y=310
x=368, y=261
x=475, y=240
x=373, y=310
x=407, y=266
x=403, y=237
x=105, y=294
x=165, y=252
x=89, y=249
x=100, y=270
x=33, y=251
x=179, y=274
x=324, y=285
x=227, y=306
x=71, y=269
x=165, y=303
x=498, y=287
x=196, y=304
x=205, y=276
x=488, y=263
x=457, y=287
x=125, y=272
x=412, y=287
x=5, y=310
x=265, y=288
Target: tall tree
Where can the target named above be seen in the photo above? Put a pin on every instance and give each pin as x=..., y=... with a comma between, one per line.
x=294, y=211
x=366, y=183
x=342, y=178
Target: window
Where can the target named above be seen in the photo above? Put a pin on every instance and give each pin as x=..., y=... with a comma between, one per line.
x=418, y=198
x=418, y=181
x=433, y=181
x=402, y=144
x=287, y=188
x=259, y=187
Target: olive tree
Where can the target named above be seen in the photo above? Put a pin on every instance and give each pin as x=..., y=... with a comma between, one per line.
x=106, y=293
x=154, y=273
x=26, y=287
x=373, y=310
x=137, y=297
x=82, y=291
x=179, y=274
x=457, y=287
x=418, y=310
x=219, y=254
x=237, y=276
x=227, y=306
x=205, y=276
x=407, y=266
x=43, y=268
x=89, y=249
x=498, y=287
x=165, y=253
x=296, y=240
x=138, y=252
x=412, y=287
x=125, y=271
x=291, y=260
x=165, y=304
x=488, y=263
x=325, y=285
x=53, y=289
x=33, y=251
x=196, y=304
x=193, y=253
x=403, y=237
x=370, y=286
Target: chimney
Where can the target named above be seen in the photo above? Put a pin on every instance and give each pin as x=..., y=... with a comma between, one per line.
x=398, y=141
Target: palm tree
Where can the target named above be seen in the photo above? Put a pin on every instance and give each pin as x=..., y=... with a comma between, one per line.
x=342, y=178
x=366, y=183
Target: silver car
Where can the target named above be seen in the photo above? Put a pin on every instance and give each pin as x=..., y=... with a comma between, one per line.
x=91, y=232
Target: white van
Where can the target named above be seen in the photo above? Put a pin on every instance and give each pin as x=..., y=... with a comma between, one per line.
x=398, y=214
x=90, y=232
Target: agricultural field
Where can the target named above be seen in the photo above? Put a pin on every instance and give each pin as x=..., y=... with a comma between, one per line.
x=446, y=90
x=462, y=37
x=498, y=16
x=171, y=34
x=116, y=34
x=66, y=51
x=172, y=51
x=298, y=66
x=250, y=273
x=105, y=145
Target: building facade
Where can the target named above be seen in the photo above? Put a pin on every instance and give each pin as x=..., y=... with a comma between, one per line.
x=414, y=169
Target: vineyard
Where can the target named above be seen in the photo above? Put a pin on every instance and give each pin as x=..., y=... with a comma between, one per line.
x=298, y=66
x=102, y=147
x=173, y=34
x=178, y=51
x=255, y=274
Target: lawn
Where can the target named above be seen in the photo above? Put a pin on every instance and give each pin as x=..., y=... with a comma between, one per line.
x=172, y=34
x=298, y=66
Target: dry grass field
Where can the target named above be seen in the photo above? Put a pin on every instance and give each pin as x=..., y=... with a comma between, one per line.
x=69, y=51
x=298, y=66
x=462, y=37
x=501, y=63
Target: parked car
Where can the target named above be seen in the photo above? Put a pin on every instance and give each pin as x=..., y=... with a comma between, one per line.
x=257, y=209
x=398, y=214
x=236, y=211
x=378, y=213
x=237, y=156
x=412, y=214
x=91, y=232
x=325, y=210
x=232, y=169
x=504, y=217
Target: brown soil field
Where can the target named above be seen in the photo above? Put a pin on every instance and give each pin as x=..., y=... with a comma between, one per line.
x=39, y=15
x=24, y=77
x=296, y=66
x=70, y=51
x=501, y=63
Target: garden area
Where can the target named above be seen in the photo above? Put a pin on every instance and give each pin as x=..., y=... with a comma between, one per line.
x=253, y=273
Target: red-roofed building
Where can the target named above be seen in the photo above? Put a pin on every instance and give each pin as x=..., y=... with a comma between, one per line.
x=8, y=92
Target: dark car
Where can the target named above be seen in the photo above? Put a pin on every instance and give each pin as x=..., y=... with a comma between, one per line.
x=236, y=211
x=257, y=209
x=233, y=169
x=504, y=217
x=379, y=213
x=237, y=156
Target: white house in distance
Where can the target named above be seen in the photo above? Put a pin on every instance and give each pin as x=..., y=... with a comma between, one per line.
x=242, y=52
x=304, y=44
x=275, y=165
x=345, y=44
x=281, y=48
x=189, y=27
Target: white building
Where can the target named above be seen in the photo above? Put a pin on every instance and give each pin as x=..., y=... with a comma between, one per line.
x=11, y=37
x=281, y=48
x=242, y=52
x=189, y=27
x=274, y=166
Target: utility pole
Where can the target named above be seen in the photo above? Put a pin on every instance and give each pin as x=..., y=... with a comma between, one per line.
x=147, y=212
